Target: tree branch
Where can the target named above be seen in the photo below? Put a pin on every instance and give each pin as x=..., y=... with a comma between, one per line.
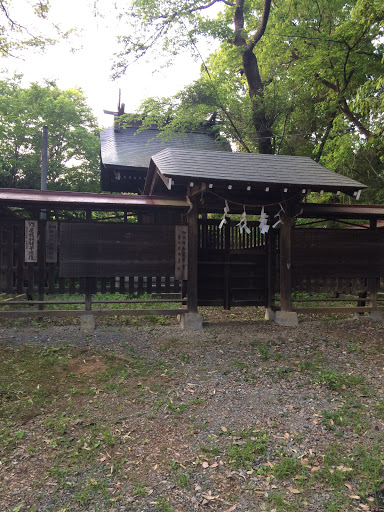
x=325, y=137
x=263, y=25
x=327, y=83
x=348, y=114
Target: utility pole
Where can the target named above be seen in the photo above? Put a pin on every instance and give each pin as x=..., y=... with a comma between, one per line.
x=44, y=159
x=44, y=167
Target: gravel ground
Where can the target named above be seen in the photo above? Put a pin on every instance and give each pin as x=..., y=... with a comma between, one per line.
x=240, y=374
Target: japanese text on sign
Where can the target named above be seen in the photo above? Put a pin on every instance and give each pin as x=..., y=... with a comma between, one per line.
x=30, y=241
x=181, y=253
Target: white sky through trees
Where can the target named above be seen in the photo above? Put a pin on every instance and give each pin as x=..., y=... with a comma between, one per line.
x=85, y=58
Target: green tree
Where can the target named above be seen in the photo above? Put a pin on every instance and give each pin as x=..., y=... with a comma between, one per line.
x=317, y=86
x=14, y=34
x=73, y=143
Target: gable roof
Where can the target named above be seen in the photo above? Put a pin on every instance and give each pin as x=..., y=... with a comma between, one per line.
x=249, y=168
x=127, y=148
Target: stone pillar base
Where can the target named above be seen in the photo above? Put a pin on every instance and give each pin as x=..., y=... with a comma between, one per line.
x=191, y=321
x=376, y=316
x=269, y=314
x=286, y=318
x=87, y=324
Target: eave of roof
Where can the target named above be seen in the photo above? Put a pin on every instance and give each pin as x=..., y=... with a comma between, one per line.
x=342, y=211
x=66, y=200
x=251, y=169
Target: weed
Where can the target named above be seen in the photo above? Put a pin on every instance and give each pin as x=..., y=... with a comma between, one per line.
x=336, y=382
x=284, y=371
x=264, y=352
x=212, y=449
x=139, y=489
x=288, y=467
x=185, y=358
x=246, y=448
x=280, y=504
x=163, y=505
x=349, y=415
x=181, y=475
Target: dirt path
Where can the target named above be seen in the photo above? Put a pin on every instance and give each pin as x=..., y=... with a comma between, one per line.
x=242, y=416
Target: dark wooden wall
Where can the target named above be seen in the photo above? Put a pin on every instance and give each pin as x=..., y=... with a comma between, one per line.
x=16, y=276
x=340, y=260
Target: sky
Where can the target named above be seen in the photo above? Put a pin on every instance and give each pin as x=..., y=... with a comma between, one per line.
x=89, y=65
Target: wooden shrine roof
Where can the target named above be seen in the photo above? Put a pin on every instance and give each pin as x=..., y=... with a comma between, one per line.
x=127, y=148
x=276, y=171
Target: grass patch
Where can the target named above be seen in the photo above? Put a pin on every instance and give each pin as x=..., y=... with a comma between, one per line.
x=337, y=382
x=247, y=447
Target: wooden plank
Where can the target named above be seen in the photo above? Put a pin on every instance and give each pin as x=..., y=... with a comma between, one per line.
x=96, y=312
x=338, y=309
x=97, y=250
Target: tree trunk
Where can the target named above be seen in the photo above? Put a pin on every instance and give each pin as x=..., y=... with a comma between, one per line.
x=252, y=73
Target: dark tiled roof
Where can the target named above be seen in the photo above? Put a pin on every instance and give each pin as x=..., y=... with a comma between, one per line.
x=251, y=168
x=130, y=149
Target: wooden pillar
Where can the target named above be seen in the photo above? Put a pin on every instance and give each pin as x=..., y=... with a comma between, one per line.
x=192, y=258
x=227, y=266
x=286, y=262
x=41, y=262
x=271, y=246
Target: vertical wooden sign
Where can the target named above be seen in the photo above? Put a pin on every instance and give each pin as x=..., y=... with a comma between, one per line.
x=30, y=241
x=181, y=253
x=51, y=242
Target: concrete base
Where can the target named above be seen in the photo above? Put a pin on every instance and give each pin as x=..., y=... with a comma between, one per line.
x=191, y=321
x=87, y=324
x=286, y=318
x=269, y=314
x=376, y=316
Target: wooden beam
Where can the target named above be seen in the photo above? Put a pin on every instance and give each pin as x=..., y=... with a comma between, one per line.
x=286, y=261
x=193, y=227
x=60, y=313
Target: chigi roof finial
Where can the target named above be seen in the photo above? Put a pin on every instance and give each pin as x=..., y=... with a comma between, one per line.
x=120, y=112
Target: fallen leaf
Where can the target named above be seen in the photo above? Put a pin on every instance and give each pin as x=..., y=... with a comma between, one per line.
x=294, y=491
x=315, y=468
x=344, y=469
x=214, y=465
x=364, y=507
x=354, y=497
x=286, y=435
x=224, y=429
x=205, y=464
x=349, y=486
x=210, y=496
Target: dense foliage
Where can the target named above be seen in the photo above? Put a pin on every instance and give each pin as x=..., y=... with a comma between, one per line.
x=298, y=77
x=73, y=143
